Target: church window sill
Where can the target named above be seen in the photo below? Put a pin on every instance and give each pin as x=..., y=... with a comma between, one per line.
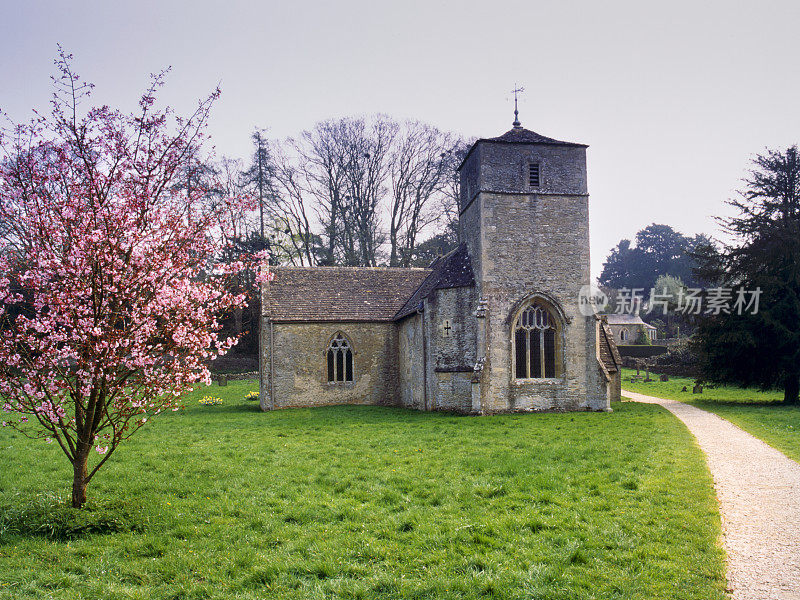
x=542, y=381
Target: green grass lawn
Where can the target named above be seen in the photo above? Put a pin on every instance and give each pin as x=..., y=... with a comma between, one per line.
x=762, y=414
x=369, y=502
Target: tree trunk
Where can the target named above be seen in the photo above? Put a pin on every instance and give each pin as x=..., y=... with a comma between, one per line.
x=791, y=389
x=237, y=320
x=79, y=476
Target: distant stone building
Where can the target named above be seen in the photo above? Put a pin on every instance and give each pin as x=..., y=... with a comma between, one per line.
x=493, y=326
x=625, y=328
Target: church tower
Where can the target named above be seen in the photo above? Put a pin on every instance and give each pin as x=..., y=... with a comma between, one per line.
x=524, y=217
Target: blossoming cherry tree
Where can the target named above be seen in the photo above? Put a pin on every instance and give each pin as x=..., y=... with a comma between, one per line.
x=109, y=296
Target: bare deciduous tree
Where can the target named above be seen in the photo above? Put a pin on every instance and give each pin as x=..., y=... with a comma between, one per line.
x=288, y=207
x=329, y=190
x=367, y=148
x=320, y=152
x=420, y=165
x=230, y=183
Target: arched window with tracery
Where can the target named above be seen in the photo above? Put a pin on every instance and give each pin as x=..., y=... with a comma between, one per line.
x=340, y=360
x=537, y=343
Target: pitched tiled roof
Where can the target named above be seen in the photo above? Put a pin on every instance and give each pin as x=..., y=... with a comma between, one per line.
x=451, y=270
x=519, y=135
x=340, y=293
x=626, y=319
x=609, y=355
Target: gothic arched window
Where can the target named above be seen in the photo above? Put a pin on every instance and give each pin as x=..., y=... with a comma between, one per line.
x=537, y=343
x=340, y=360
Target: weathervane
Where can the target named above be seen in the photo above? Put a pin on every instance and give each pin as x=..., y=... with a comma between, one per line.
x=516, y=91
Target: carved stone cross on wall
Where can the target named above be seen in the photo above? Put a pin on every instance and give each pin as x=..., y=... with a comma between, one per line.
x=446, y=328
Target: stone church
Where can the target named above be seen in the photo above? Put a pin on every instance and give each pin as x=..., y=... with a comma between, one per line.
x=493, y=326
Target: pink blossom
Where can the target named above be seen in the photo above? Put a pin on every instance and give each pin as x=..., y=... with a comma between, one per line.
x=130, y=253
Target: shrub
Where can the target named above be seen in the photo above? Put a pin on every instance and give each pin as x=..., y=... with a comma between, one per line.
x=642, y=339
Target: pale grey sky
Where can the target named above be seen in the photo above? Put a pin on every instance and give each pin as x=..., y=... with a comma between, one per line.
x=672, y=97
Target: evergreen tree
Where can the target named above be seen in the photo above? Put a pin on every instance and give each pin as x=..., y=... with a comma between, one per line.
x=764, y=348
x=659, y=250
x=258, y=175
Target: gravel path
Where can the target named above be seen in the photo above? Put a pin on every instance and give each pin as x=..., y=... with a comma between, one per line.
x=759, y=495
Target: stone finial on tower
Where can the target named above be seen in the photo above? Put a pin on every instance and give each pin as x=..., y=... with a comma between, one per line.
x=516, y=91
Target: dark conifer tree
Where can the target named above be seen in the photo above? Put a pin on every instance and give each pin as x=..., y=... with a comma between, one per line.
x=759, y=349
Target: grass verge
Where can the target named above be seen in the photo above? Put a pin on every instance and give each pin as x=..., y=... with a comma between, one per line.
x=761, y=414
x=370, y=502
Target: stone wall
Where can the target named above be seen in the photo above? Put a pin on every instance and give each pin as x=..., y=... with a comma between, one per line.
x=532, y=242
x=451, y=352
x=453, y=348
x=411, y=376
x=234, y=376
x=547, y=255
x=469, y=223
x=435, y=374
x=470, y=178
x=452, y=391
x=631, y=332
x=614, y=387
x=300, y=368
x=504, y=169
x=691, y=371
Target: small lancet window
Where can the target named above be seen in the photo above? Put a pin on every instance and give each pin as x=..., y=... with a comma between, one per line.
x=536, y=344
x=340, y=360
x=533, y=175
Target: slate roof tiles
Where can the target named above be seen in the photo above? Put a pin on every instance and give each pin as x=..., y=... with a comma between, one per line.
x=609, y=355
x=520, y=135
x=340, y=293
x=451, y=270
x=362, y=293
